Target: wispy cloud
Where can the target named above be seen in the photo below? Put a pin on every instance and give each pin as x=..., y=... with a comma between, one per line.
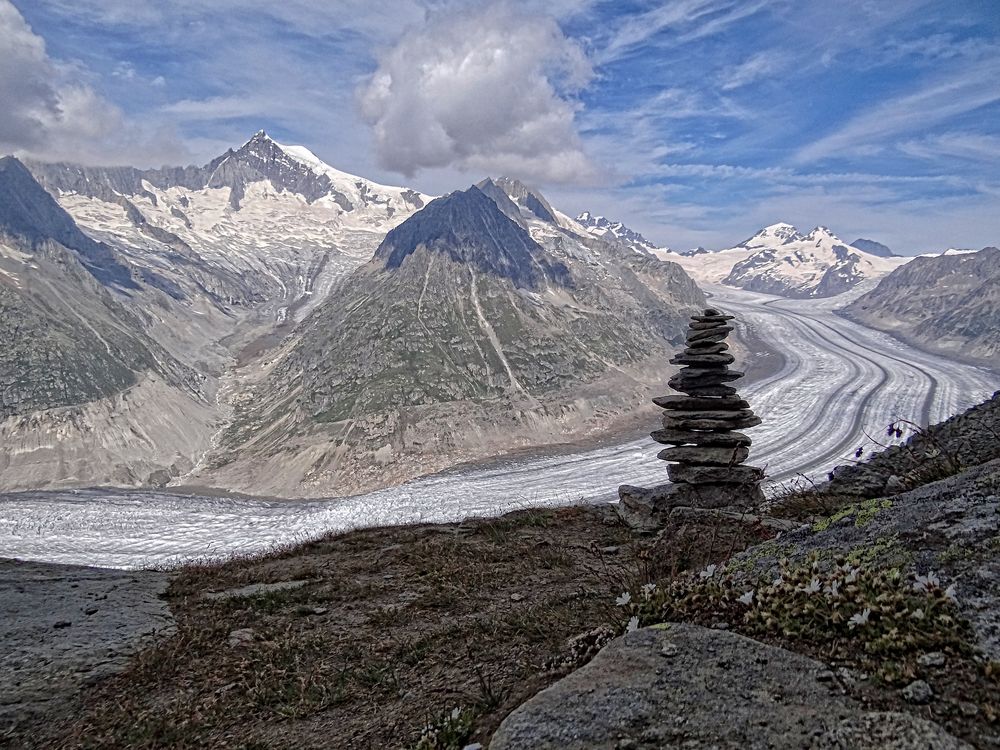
x=690, y=19
x=976, y=147
x=937, y=102
x=757, y=66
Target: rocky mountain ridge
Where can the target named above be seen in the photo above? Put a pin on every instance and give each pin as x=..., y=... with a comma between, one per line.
x=235, y=270
x=599, y=226
x=264, y=223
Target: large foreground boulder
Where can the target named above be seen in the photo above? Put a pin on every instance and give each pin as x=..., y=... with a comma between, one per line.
x=686, y=686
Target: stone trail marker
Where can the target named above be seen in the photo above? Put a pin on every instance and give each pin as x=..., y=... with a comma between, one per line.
x=707, y=451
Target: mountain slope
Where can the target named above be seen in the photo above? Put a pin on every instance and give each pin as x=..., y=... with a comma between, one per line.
x=465, y=336
x=67, y=341
x=784, y=262
x=86, y=394
x=948, y=304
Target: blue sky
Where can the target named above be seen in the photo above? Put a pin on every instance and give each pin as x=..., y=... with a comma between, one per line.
x=694, y=121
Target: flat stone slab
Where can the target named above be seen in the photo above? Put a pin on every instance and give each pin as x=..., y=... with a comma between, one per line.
x=711, y=334
x=714, y=474
x=701, y=391
x=669, y=436
x=703, y=359
x=691, y=402
x=254, y=589
x=728, y=414
x=712, y=318
x=706, y=347
x=722, y=456
x=687, y=686
x=711, y=424
x=63, y=627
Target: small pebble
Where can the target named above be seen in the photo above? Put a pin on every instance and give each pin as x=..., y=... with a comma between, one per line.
x=669, y=650
x=516, y=597
x=62, y=624
x=933, y=659
x=968, y=708
x=918, y=692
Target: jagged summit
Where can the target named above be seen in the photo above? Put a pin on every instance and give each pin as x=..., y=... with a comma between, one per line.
x=600, y=226
x=292, y=169
x=529, y=201
x=469, y=227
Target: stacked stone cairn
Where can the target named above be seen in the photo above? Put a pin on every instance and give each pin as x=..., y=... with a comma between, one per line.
x=706, y=452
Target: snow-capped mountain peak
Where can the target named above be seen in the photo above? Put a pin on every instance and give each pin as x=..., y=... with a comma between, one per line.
x=818, y=264
x=821, y=234
x=773, y=235
x=601, y=226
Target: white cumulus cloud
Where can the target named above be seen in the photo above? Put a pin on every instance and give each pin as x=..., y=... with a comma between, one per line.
x=486, y=90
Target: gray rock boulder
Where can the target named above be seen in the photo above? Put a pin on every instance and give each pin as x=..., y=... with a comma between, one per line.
x=688, y=686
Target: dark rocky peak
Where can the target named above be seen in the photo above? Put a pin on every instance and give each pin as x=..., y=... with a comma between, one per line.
x=503, y=201
x=528, y=199
x=262, y=158
x=29, y=213
x=873, y=248
x=469, y=227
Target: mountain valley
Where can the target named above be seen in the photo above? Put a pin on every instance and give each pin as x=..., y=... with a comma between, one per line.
x=255, y=274
x=269, y=324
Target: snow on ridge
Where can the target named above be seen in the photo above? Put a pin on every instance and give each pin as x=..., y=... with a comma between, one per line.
x=339, y=178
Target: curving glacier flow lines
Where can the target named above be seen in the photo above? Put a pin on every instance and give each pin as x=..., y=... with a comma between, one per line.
x=837, y=381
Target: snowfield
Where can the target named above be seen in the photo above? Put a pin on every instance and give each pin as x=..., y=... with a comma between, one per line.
x=837, y=380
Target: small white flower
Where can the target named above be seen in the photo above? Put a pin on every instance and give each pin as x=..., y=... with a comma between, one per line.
x=927, y=582
x=633, y=624
x=455, y=714
x=833, y=589
x=917, y=614
x=747, y=598
x=708, y=572
x=861, y=618
x=624, y=599
x=952, y=593
x=852, y=575
x=813, y=587
x=647, y=591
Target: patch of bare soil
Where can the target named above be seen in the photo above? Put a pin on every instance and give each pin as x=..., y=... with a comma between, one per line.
x=383, y=631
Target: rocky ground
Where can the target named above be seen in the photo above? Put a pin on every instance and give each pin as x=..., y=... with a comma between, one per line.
x=66, y=628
